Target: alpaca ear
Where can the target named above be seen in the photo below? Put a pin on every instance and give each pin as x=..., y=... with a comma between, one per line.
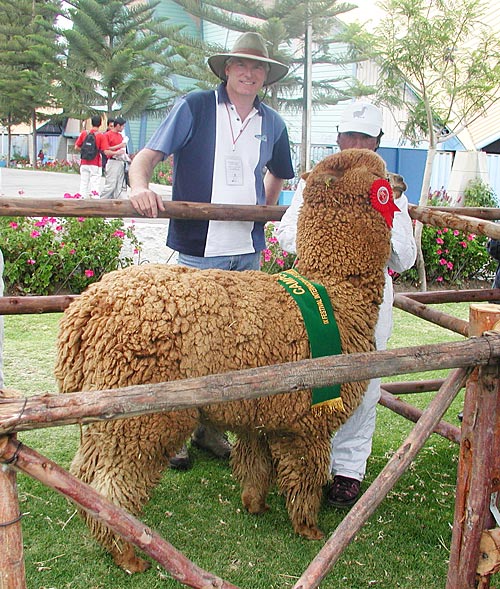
x=305, y=175
x=398, y=184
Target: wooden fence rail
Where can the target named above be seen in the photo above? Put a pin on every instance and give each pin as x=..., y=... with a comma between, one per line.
x=57, y=410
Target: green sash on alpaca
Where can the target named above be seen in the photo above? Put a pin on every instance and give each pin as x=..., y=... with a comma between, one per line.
x=322, y=330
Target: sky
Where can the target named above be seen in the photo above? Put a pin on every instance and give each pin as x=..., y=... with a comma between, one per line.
x=367, y=12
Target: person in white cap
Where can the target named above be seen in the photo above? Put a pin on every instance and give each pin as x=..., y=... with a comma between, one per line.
x=228, y=147
x=360, y=127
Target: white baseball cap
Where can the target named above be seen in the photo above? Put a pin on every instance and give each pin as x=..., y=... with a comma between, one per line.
x=361, y=117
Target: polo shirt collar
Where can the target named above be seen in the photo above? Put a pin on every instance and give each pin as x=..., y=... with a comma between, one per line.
x=222, y=97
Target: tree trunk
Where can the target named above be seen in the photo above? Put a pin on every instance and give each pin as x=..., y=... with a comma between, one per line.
x=33, y=151
x=424, y=198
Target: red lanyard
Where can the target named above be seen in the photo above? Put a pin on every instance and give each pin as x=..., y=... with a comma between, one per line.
x=231, y=127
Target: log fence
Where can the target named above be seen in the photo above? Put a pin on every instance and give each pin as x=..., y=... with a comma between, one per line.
x=473, y=363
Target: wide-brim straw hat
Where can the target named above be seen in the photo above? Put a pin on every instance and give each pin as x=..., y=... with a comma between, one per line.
x=249, y=46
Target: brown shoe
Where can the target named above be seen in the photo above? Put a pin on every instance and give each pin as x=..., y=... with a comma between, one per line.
x=181, y=460
x=208, y=438
x=343, y=492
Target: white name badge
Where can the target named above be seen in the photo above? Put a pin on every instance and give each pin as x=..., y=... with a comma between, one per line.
x=234, y=171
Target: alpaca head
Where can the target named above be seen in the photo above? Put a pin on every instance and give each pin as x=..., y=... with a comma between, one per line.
x=344, y=226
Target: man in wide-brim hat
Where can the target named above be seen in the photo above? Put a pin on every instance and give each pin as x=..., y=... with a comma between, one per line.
x=229, y=148
x=249, y=46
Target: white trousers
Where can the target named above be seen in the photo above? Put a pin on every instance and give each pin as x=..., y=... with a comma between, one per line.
x=90, y=181
x=352, y=443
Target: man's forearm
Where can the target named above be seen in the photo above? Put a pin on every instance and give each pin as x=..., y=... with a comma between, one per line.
x=272, y=186
x=142, y=166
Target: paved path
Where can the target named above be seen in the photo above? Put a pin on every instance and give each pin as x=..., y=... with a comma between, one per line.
x=32, y=184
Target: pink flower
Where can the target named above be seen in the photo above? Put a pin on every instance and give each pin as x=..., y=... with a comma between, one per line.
x=35, y=234
x=119, y=233
x=81, y=219
x=439, y=252
x=59, y=228
x=449, y=265
x=471, y=236
x=463, y=244
x=14, y=225
x=50, y=253
x=31, y=262
x=443, y=262
x=136, y=251
x=280, y=262
x=72, y=252
x=41, y=223
x=455, y=232
x=439, y=240
x=89, y=273
x=439, y=279
x=267, y=255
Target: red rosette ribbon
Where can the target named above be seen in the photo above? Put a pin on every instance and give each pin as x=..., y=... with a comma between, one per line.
x=382, y=200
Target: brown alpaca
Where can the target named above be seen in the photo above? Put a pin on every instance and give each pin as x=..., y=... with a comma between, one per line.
x=156, y=323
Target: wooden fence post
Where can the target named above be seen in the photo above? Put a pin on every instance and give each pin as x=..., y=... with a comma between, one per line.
x=12, y=573
x=478, y=466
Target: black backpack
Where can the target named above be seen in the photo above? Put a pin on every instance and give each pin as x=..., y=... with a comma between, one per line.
x=88, y=150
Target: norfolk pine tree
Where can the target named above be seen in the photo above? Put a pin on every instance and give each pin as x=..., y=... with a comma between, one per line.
x=29, y=63
x=446, y=53
x=120, y=57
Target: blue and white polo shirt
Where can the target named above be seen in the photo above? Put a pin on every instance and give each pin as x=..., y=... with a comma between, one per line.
x=219, y=159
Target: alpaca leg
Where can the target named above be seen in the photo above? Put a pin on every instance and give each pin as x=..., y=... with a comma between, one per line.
x=123, y=460
x=302, y=471
x=253, y=468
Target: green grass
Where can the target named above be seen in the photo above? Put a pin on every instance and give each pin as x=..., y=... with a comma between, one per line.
x=404, y=544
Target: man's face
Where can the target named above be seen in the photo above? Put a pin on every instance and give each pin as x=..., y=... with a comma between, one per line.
x=119, y=128
x=245, y=76
x=355, y=140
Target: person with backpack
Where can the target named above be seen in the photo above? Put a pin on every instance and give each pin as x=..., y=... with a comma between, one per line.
x=90, y=143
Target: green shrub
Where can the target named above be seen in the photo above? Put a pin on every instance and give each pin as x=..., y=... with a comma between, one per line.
x=162, y=174
x=60, y=166
x=45, y=256
x=479, y=194
x=451, y=256
x=273, y=258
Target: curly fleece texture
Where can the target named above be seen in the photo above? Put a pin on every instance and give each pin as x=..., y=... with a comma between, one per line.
x=155, y=323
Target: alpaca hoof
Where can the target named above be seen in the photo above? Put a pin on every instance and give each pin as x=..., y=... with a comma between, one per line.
x=257, y=510
x=253, y=504
x=130, y=562
x=310, y=532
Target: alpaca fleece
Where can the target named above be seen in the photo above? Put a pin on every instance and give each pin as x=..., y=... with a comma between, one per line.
x=156, y=323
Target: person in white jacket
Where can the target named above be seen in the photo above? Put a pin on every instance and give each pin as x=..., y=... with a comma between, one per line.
x=360, y=128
